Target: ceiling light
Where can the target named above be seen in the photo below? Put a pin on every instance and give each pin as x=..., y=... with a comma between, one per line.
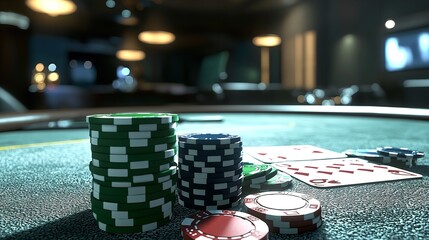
x=389, y=24
x=157, y=37
x=52, y=7
x=269, y=40
x=130, y=55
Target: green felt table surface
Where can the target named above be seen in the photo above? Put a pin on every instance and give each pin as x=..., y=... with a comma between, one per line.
x=45, y=182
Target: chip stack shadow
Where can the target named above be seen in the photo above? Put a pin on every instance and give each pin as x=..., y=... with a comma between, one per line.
x=210, y=171
x=133, y=169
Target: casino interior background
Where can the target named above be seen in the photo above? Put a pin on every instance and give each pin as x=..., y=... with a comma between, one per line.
x=331, y=52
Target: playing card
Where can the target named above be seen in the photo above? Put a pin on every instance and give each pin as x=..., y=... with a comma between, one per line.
x=275, y=154
x=343, y=172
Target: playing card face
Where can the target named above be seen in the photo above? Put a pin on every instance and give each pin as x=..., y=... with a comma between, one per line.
x=343, y=172
x=275, y=154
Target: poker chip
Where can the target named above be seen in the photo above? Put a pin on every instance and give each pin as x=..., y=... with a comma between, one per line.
x=158, y=177
x=404, y=155
x=191, y=168
x=132, y=134
x=133, y=229
x=297, y=230
x=285, y=212
x=108, y=128
x=125, y=158
x=203, y=164
x=223, y=225
x=257, y=173
x=146, y=166
x=136, y=190
x=209, y=158
x=209, y=138
x=277, y=183
x=368, y=154
x=132, y=118
x=133, y=169
x=210, y=147
x=139, y=213
x=388, y=155
x=209, y=171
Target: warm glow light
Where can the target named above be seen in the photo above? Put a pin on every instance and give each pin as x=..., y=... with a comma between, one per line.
x=157, y=37
x=41, y=86
x=39, y=67
x=53, y=77
x=39, y=77
x=52, y=7
x=270, y=40
x=130, y=55
x=389, y=24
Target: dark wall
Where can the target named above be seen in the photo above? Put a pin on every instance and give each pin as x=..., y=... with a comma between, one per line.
x=14, y=76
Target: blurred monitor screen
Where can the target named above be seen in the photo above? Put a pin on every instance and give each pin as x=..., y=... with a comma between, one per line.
x=407, y=50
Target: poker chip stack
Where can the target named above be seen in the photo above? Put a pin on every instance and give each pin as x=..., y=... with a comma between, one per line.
x=133, y=170
x=210, y=171
x=285, y=212
x=264, y=177
x=223, y=224
x=401, y=157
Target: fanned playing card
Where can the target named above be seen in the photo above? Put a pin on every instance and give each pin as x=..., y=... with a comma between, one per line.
x=275, y=154
x=343, y=172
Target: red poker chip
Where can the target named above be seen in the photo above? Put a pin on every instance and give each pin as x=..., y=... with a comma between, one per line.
x=282, y=206
x=296, y=230
x=223, y=225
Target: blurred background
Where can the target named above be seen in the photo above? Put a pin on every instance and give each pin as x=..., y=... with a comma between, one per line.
x=61, y=54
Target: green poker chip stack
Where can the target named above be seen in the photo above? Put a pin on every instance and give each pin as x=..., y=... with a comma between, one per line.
x=133, y=169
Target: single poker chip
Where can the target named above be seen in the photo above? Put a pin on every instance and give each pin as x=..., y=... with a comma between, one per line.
x=133, y=229
x=132, y=142
x=145, y=178
x=213, y=170
x=209, y=138
x=210, y=180
x=130, y=222
x=297, y=230
x=197, y=175
x=155, y=165
x=251, y=171
x=132, y=134
x=133, y=150
x=126, y=158
x=208, y=192
x=210, y=147
x=209, y=159
x=133, y=198
x=400, y=152
x=108, y=128
x=277, y=183
x=132, y=118
x=294, y=224
x=368, y=154
x=209, y=199
x=114, y=206
x=282, y=206
x=139, y=213
x=221, y=152
x=208, y=207
x=137, y=190
x=124, y=172
x=203, y=164
x=134, y=184
x=186, y=184
x=209, y=202
x=223, y=225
